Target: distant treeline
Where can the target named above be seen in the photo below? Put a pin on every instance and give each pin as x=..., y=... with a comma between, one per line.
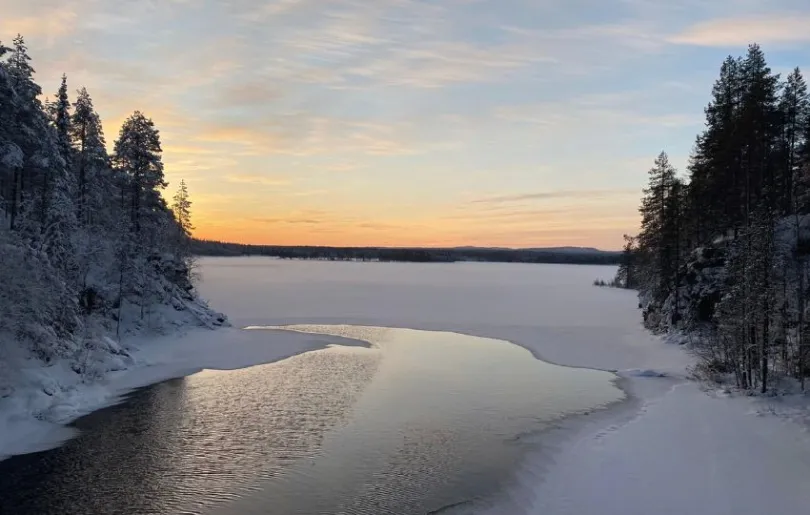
x=421, y=255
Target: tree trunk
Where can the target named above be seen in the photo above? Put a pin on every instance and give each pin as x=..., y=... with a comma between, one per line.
x=763, y=347
x=82, y=166
x=799, y=297
x=16, y=186
x=44, y=198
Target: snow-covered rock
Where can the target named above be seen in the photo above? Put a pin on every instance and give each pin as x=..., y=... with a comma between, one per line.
x=702, y=285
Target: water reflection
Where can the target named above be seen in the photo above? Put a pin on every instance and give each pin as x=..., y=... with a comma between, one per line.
x=421, y=421
x=186, y=444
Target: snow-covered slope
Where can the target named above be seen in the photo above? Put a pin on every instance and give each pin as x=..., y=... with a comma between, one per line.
x=38, y=396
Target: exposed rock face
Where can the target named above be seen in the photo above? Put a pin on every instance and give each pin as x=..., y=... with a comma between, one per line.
x=703, y=280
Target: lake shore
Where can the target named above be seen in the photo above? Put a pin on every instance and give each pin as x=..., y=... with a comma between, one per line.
x=155, y=359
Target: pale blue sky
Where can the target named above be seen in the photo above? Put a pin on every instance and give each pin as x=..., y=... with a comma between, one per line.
x=408, y=122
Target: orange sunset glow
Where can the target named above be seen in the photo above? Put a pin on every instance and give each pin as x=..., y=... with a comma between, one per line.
x=341, y=123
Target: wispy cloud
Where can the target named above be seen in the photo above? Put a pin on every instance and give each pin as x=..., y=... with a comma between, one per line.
x=630, y=108
x=260, y=180
x=544, y=195
x=19, y=18
x=310, y=135
x=768, y=29
x=291, y=221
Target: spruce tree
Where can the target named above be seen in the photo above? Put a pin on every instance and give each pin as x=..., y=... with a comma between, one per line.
x=60, y=117
x=62, y=121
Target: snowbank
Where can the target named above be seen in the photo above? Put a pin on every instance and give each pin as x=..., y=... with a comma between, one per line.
x=637, y=372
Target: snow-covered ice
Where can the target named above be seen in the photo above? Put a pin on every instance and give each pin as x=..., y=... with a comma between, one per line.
x=552, y=310
x=671, y=449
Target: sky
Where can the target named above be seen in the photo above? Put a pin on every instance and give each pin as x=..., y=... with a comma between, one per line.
x=519, y=123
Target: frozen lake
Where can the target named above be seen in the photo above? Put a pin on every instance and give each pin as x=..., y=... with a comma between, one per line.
x=418, y=422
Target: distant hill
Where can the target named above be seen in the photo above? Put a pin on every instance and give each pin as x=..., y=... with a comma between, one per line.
x=567, y=255
x=581, y=250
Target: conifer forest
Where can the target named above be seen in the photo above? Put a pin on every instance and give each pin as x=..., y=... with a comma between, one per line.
x=722, y=253
x=89, y=248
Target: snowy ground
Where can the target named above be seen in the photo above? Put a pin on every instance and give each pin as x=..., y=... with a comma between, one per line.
x=671, y=449
x=686, y=452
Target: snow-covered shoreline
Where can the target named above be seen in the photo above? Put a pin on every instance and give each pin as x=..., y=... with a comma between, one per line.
x=33, y=420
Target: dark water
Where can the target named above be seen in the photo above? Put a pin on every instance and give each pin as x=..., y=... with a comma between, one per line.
x=417, y=423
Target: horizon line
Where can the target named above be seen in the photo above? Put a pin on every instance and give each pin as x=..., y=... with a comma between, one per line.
x=414, y=247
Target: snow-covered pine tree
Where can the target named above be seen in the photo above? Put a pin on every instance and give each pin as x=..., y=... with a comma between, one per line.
x=181, y=207
x=62, y=118
x=21, y=71
x=10, y=153
x=147, y=249
x=138, y=155
x=26, y=120
x=36, y=291
x=59, y=170
x=95, y=185
x=71, y=254
x=759, y=129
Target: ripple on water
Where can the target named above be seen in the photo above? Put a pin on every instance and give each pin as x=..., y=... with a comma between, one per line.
x=421, y=422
